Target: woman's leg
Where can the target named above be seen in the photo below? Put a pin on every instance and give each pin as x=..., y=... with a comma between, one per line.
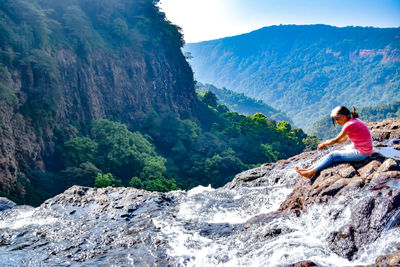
x=349, y=154
x=308, y=173
x=339, y=155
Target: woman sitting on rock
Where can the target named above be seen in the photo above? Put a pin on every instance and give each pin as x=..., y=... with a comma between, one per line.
x=353, y=129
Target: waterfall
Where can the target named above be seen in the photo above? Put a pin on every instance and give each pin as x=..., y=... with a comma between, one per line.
x=240, y=224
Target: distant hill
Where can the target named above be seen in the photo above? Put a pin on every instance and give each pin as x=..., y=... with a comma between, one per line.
x=304, y=71
x=241, y=103
x=323, y=128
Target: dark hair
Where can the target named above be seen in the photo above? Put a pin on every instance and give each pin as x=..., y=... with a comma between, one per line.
x=342, y=110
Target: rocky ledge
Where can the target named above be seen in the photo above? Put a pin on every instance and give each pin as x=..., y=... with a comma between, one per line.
x=353, y=208
x=370, y=188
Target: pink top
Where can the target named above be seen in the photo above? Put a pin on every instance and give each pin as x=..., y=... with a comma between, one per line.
x=359, y=134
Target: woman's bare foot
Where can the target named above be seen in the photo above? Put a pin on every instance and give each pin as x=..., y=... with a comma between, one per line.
x=308, y=173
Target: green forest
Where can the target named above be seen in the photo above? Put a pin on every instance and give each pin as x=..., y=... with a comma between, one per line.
x=240, y=103
x=169, y=153
x=304, y=70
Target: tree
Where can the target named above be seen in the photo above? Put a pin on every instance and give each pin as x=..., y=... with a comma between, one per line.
x=85, y=174
x=210, y=99
x=79, y=150
x=284, y=127
x=104, y=180
x=120, y=28
x=136, y=183
x=125, y=153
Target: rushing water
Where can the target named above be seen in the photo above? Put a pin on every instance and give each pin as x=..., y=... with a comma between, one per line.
x=201, y=227
x=300, y=238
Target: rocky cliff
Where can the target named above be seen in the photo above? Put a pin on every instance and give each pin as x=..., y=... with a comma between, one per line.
x=66, y=63
x=348, y=215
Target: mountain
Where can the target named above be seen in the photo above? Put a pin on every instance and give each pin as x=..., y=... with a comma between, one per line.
x=66, y=63
x=305, y=71
x=349, y=215
x=241, y=103
x=324, y=129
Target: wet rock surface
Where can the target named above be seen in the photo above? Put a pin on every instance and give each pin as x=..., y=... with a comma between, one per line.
x=347, y=215
x=6, y=204
x=84, y=224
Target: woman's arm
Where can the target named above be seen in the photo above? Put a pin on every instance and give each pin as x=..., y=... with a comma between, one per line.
x=342, y=137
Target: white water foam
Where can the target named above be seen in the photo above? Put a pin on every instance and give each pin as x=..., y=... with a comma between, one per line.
x=227, y=206
x=302, y=238
x=26, y=218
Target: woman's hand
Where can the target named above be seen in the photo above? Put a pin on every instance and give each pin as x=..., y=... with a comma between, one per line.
x=321, y=146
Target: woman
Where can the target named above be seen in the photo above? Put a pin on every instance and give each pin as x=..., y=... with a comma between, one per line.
x=353, y=129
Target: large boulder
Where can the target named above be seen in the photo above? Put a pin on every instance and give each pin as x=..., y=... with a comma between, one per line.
x=369, y=188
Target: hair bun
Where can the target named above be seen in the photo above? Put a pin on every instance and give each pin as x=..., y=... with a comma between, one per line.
x=354, y=113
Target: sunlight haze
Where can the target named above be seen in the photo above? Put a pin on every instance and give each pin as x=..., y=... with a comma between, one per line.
x=211, y=19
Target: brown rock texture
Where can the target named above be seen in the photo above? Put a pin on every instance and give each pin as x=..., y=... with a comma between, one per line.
x=369, y=188
x=389, y=260
x=385, y=129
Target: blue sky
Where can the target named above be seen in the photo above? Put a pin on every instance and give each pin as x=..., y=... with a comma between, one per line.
x=211, y=19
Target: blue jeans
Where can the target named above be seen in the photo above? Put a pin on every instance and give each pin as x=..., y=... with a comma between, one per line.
x=347, y=154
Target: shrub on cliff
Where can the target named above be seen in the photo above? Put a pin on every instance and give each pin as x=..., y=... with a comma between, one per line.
x=114, y=149
x=104, y=180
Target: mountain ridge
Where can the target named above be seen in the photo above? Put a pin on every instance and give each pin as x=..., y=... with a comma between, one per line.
x=304, y=70
x=242, y=104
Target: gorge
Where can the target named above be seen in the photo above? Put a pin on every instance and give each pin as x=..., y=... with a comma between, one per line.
x=107, y=153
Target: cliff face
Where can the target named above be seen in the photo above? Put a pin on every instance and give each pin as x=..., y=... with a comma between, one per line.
x=105, y=89
x=348, y=216
x=65, y=64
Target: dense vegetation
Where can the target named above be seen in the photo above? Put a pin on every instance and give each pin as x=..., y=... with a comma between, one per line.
x=64, y=64
x=305, y=71
x=170, y=153
x=32, y=31
x=64, y=79
x=242, y=104
x=221, y=143
x=323, y=128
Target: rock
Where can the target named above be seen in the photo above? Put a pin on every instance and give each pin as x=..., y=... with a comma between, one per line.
x=6, y=204
x=335, y=188
x=389, y=260
x=355, y=183
x=262, y=218
x=347, y=171
x=371, y=212
x=385, y=129
x=383, y=176
x=304, y=264
x=369, y=169
x=254, y=174
x=389, y=165
x=131, y=227
x=342, y=242
x=379, y=144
